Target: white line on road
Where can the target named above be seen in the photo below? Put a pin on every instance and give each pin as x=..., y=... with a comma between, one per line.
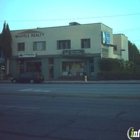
x=25, y=90
x=34, y=90
x=37, y=90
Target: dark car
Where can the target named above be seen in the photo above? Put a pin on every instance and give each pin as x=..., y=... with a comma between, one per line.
x=28, y=77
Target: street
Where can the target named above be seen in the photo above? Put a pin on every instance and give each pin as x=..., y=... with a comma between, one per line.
x=74, y=90
x=68, y=111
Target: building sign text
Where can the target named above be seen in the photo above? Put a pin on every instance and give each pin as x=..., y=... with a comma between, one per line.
x=29, y=33
x=23, y=55
x=73, y=52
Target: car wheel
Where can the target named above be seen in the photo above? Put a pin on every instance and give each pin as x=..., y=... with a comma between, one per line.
x=31, y=81
x=14, y=81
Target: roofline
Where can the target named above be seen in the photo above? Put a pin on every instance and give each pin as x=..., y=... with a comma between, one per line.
x=121, y=34
x=60, y=27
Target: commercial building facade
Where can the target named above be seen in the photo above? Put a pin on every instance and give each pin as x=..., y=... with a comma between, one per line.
x=67, y=51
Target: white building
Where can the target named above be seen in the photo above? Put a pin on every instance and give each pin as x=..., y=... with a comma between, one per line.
x=71, y=51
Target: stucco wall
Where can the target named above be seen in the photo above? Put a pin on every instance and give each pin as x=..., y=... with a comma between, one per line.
x=122, y=44
x=51, y=35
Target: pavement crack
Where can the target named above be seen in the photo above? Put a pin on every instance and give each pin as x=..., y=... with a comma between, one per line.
x=118, y=116
x=69, y=122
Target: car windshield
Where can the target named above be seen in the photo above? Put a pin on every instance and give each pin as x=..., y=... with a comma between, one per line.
x=27, y=74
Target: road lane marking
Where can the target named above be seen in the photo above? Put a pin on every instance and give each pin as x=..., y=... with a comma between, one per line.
x=37, y=90
x=34, y=90
x=25, y=90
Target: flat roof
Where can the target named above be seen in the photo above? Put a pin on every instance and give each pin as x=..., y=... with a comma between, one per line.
x=60, y=26
x=120, y=34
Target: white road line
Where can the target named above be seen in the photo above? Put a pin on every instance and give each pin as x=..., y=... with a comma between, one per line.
x=37, y=90
x=34, y=90
x=25, y=90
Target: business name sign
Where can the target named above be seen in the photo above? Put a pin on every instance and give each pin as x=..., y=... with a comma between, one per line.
x=105, y=37
x=29, y=33
x=132, y=134
x=73, y=52
x=104, y=55
x=25, y=55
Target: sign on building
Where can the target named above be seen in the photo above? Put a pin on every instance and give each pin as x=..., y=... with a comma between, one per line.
x=23, y=55
x=73, y=52
x=104, y=55
x=29, y=33
x=105, y=37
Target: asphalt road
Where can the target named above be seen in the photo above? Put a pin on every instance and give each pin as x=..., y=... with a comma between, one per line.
x=37, y=112
x=76, y=90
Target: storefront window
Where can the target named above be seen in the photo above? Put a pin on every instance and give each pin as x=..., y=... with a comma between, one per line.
x=33, y=67
x=73, y=68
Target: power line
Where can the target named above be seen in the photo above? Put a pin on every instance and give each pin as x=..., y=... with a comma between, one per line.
x=109, y=16
x=127, y=30
x=136, y=40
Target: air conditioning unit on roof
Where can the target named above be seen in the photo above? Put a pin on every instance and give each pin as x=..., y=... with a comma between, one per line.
x=74, y=23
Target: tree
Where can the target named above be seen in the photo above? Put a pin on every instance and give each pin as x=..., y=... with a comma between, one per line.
x=0, y=46
x=111, y=64
x=0, y=42
x=6, y=42
x=133, y=53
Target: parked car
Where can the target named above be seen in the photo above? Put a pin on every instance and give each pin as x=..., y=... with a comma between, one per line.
x=28, y=77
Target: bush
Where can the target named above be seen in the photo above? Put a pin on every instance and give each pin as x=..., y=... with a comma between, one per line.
x=137, y=76
x=116, y=75
x=118, y=69
x=110, y=64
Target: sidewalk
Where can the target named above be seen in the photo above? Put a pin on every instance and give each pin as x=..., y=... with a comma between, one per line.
x=88, y=82
x=95, y=82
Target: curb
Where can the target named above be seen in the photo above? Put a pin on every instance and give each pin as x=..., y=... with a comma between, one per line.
x=54, y=95
x=82, y=82
x=91, y=83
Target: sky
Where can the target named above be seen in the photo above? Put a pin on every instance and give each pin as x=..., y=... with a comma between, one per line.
x=123, y=16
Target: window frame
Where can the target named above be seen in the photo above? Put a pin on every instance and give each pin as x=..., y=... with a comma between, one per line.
x=40, y=47
x=63, y=44
x=21, y=46
x=85, y=43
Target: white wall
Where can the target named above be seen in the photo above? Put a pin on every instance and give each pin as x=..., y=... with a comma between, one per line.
x=108, y=30
x=51, y=35
x=122, y=44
